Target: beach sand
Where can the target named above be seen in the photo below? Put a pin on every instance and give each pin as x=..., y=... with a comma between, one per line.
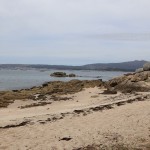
x=86, y=120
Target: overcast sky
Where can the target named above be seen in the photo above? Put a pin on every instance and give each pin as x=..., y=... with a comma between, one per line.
x=74, y=32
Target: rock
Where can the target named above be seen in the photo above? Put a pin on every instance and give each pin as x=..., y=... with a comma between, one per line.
x=45, y=84
x=100, y=80
x=65, y=139
x=113, y=83
x=59, y=74
x=146, y=67
x=139, y=70
x=128, y=74
x=48, y=89
x=71, y=75
x=139, y=77
x=62, y=74
x=73, y=86
x=135, y=82
x=109, y=92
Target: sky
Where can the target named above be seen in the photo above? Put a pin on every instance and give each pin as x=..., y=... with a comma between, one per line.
x=74, y=32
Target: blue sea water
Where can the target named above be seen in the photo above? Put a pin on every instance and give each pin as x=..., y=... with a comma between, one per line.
x=19, y=79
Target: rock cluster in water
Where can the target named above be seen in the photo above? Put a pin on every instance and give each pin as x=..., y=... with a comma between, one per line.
x=62, y=74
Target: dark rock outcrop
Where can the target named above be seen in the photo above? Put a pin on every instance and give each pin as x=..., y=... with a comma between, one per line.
x=109, y=92
x=72, y=75
x=62, y=74
x=59, y=74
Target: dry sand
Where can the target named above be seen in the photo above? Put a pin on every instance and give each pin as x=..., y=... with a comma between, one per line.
x=120, y=121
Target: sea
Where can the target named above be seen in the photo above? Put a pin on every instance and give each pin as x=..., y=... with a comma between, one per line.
x=21, y=79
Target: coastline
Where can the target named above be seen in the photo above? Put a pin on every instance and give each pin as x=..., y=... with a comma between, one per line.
x=18, y=79
x=78, y=115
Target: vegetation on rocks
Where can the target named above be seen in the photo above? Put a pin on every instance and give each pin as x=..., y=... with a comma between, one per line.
x=50, y=88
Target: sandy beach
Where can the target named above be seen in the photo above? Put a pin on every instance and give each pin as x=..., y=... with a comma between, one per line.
x=86, y=120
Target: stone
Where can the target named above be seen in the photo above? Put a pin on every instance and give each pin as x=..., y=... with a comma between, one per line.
x=139, y=70
x=62, y=74
x=72, y=75
x=136, y=82
x=109, y=92
x=58, y=74
x=146, y=67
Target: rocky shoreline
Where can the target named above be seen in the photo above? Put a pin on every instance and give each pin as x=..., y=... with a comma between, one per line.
x=78, y=115
x=138, y=81
x=128, y=83
x=46, y=89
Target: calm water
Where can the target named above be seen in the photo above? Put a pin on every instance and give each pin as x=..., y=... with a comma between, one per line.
x=18, y=79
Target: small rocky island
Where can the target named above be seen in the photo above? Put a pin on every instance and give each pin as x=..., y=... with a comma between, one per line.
x=62, y=74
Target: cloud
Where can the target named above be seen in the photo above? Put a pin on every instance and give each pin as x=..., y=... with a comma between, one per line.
x=78, y=29
x=123, y=36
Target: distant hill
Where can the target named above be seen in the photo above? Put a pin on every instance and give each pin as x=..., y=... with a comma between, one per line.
x=123, y=66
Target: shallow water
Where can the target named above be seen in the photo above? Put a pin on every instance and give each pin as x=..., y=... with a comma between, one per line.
x=18, y=79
